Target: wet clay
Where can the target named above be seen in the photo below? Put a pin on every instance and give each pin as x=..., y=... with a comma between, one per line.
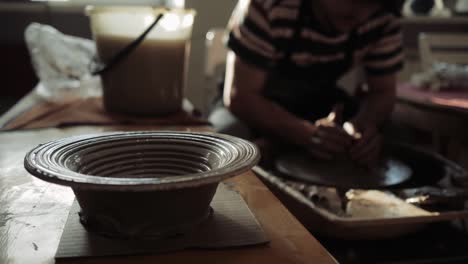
x=149, y=81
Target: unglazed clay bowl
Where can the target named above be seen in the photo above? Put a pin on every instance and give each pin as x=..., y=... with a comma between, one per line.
x=142, y=184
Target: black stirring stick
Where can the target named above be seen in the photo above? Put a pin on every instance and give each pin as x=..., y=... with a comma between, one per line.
x=100, y=68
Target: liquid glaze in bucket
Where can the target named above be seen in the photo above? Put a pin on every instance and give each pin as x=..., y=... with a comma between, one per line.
x=151, y=79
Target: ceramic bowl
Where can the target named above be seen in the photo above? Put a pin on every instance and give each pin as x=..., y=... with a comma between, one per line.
x=142, y=184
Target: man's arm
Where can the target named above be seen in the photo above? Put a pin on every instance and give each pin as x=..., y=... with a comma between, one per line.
x=378, y=103
x=375, y=109
x=243, y=96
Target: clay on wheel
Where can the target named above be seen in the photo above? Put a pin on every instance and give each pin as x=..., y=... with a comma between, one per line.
x=342, y=173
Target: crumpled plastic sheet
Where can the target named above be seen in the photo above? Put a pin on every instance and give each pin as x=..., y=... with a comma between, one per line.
x=61, y=62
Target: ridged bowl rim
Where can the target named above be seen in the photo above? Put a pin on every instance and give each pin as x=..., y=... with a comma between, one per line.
x=45, y=162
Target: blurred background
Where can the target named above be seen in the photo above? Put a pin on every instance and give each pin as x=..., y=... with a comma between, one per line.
x=18, y=77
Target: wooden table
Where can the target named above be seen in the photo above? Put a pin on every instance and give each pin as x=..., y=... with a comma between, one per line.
x=33, y=212
x=444, y=115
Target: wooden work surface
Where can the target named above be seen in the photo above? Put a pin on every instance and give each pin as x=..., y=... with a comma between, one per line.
x=454, y=101
x=444, y=112
x=33, y=213
x=441, y=116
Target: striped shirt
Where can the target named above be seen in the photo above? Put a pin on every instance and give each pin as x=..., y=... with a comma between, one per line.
x=266, y=34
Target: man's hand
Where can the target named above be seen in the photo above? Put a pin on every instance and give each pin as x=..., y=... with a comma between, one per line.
x=328, y=139
x=366, y=149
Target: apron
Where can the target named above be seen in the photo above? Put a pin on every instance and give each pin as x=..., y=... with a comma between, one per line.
x=309, y=98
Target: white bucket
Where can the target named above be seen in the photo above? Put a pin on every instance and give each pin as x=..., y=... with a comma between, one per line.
x=151, y=79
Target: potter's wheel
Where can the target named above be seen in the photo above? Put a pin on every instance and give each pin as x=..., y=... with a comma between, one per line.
x=342, y=173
